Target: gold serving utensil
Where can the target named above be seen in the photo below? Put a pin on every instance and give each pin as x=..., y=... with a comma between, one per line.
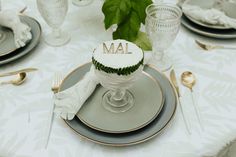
x=18, y=71
x=21, y=77
x=188, y=79
x=174, y=82
x=208, y=47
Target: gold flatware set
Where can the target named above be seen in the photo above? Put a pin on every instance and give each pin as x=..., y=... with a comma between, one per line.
x=174, y=82
x=188, y=80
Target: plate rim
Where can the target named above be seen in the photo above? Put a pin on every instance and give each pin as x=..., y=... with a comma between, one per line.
x=136, y=128
x=207, y=25
x=139, y=141
x=22, y=53
x=204, y=33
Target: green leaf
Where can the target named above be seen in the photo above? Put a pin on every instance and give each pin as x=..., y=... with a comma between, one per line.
x=129, y=29
x=139, y=6
x=143, y=42
x=115, y=11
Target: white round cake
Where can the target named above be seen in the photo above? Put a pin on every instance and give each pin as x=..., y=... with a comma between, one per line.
x=118, y=56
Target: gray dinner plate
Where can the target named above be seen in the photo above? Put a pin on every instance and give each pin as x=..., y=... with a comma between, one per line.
x=214, y=33
x=206, y=24
x=148, y=102
x=36, y=34
x=7, y=42
x=123, y=139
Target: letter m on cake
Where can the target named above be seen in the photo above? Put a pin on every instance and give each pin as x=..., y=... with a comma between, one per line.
x=111, y=50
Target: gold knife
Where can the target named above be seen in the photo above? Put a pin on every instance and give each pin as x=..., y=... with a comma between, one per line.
x=18, y=71
x=174, y=82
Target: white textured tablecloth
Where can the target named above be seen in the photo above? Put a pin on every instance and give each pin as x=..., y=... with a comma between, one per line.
x=22, y=135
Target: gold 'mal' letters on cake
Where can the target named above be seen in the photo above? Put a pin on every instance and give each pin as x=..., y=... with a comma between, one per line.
x=119, y=50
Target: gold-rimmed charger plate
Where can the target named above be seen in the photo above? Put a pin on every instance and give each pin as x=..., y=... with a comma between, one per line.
x=148, y=102
x=124, y=139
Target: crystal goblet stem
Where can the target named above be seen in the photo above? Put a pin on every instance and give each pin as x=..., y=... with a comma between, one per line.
x=118, y=94
x=118, y=100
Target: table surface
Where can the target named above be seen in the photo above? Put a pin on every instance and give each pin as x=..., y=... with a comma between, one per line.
x=24, y=109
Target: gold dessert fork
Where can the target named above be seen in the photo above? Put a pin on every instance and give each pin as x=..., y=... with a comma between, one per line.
x=208, y=47
x=55, y=88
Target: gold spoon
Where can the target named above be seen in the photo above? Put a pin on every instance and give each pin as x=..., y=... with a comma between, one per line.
x=188, y=79
x=21, y=77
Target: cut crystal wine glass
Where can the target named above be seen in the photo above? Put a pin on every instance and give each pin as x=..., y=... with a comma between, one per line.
x=162, y=26
x=54, y=13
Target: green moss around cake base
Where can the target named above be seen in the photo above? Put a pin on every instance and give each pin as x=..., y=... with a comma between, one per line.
x=119, y=71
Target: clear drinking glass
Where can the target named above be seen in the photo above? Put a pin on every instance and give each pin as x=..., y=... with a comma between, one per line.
x=54, y=13
x=162, y=26
x=82, y=2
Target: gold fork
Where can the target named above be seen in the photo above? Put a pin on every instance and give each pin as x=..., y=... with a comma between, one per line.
x=55, y=88
x=56, y=83
x=207, y=46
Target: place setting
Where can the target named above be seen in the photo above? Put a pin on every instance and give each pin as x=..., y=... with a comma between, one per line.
x=213, y=18
x=17, y=37
x=109, y=105
x=119, y=91
x=119, y=99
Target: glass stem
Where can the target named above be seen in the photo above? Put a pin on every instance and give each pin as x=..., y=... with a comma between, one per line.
x=118, y=94
x=56, y=32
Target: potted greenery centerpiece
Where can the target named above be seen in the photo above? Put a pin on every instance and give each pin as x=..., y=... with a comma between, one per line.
x=128, y=15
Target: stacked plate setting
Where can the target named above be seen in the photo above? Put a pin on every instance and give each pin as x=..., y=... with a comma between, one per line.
x=8, y=50
x=209, y=30
x=154, y=108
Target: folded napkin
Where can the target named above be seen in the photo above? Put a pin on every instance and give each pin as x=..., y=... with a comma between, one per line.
x=210, y=16
x=22, y=34
x=69, y=101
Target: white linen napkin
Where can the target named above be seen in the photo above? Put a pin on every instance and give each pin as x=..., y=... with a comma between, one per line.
x=22, y=34
x=69, y=101
x=210, y=16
